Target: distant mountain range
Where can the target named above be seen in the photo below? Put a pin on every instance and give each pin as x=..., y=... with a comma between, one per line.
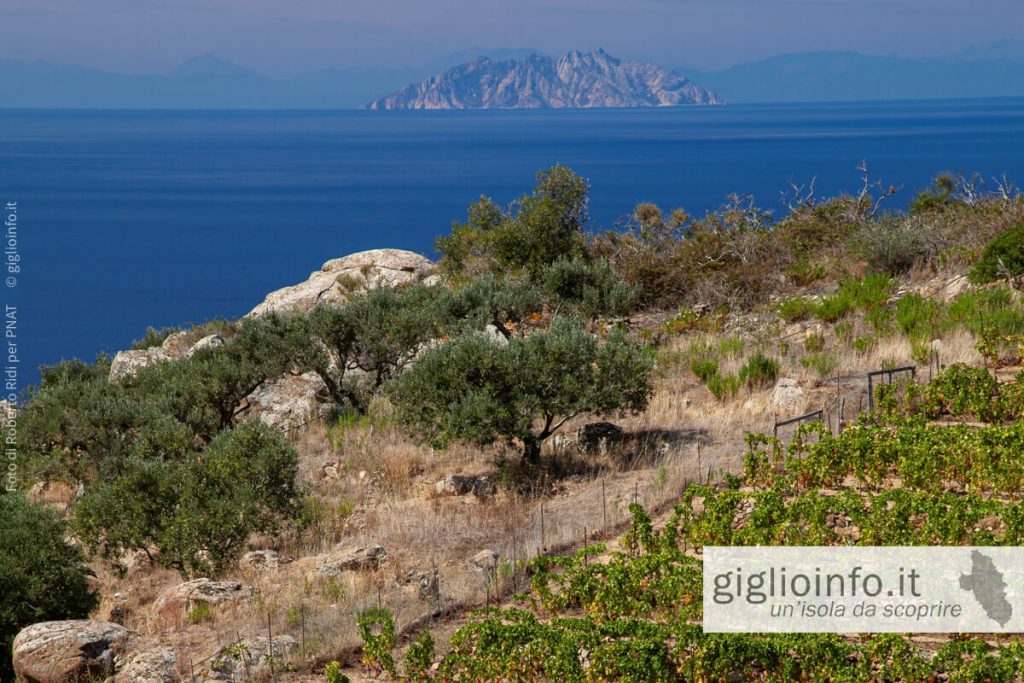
x=575, y=80
x=209, y=82
x=828, y=76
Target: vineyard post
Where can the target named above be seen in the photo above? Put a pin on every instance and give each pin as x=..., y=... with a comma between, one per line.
x=604, y=507
x=636, y=492
x=270, y=646
x=437, y=593
x=698, y=462
x=192, y=670
x=242, y=652
x=543, y=538
x=515, y=556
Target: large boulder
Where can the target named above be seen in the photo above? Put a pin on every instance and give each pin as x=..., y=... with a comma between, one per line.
x=339, y=278
x=357, y=559
x=69, y=651
x=259, y=561
x=288, y=402
x=787, y=397
x=151, y=666
x=250, y=659
x=184, y=596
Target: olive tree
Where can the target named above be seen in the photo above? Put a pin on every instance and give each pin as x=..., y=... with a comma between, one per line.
x=42, y=577
x=477, y=390
x=589, y=290
x=197, y=511
x=358, y=346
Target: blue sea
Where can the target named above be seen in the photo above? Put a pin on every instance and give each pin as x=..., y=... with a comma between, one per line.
x=136, y=218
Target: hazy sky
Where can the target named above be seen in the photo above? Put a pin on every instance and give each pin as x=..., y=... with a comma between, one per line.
x=286, y=36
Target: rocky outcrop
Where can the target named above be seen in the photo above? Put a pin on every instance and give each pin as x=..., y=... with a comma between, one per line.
x=357, y=559
x=260, y=561
x=339, y=278
x=175, y=347
x=459, y=485
x=152, y=666
x=250, y=659
x=288, y=402
x=69, y=651
x=185, y=596
x=576, y=80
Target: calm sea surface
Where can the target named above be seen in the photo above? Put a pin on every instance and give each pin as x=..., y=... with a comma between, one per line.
x=129, y=219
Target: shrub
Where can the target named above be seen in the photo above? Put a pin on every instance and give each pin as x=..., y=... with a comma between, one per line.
x=823, y=364
x=587, y=290
x=724, y=387
x=1003, y=256
x=704, y=368
x=535, y=231
x=197, y=512
x=813, y=343
x=759, y=371
x=916, y=317
x=332, y=671
x=476, y=390
x=853, y=294
x=153, y=337
x=419, y=657
x=200, y=613
x=41, y=573
x=864, y=344
x=793, y=309
x=494, y=300
x=376, y=626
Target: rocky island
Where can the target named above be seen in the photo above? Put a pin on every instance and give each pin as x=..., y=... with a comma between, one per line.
x=575, y=80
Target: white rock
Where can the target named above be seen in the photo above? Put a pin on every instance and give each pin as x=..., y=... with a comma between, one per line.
x=65, y=651
x=339, y=278
x=152, y=666
x=357, y=559
x=787, y=396
x=185, y=596
x=288, y=402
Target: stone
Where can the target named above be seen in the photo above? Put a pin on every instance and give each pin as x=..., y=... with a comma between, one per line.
x=152, y=666
x=486, y=561
x=250, y=659
x=339, y=278
x=495, y=335
x=69, y=651
x=599, y=437
x=428, y=583
x=185, y=596
x=208, y=342
x=288, y=402
x=787, y=397
x=128, y=363
x=355, y=560
x=175, y=347
x=260, y=560
x=458, y=485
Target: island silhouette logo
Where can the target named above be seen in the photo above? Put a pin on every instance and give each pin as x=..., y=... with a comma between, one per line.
x=988, y=586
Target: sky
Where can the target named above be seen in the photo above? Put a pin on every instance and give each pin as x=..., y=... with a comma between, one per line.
x=285, y=37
